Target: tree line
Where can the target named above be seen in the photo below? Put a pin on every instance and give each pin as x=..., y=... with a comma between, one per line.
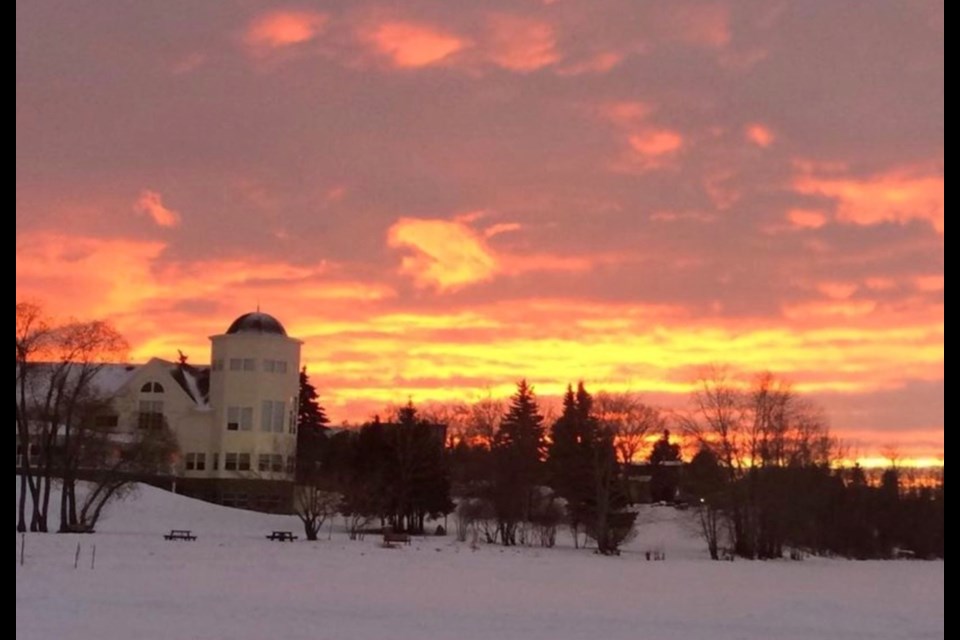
x=768, y=478
x=517, y=476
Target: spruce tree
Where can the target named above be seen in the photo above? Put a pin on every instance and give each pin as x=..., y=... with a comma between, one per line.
x=517, y=450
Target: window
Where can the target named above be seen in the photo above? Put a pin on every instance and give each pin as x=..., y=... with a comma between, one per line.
x=276, y=463
x=291, y=464
x=249, y=364
x=196, y=461
x=239, y=418
x=151, y=387
x=215, y=461
x=236, y=364
x=263, y=462
x=218, y=364
x=243, y=462
x=105, y=421
x=272, y=415
x=230, y=461
x=275, y=366
x=150, y=415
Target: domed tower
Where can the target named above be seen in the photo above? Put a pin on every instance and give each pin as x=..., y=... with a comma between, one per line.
x=254, y=388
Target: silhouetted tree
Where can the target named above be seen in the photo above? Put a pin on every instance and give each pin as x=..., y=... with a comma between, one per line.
x=665, y=477
x=570, y=458
x=517, y=450
x=311, y=432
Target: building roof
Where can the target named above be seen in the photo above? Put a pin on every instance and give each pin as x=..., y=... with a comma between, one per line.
x=257, y=322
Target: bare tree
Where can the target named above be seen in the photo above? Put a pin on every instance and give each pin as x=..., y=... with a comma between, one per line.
x=112, y=462
x=759, y=432
x=33, y=332
x=630, y=421
x=84, y=348
x=313, y=506
x=484, y=420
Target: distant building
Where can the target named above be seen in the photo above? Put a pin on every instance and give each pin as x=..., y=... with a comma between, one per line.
x=235, y=420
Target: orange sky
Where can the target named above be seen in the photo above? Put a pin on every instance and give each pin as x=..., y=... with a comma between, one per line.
x=441, y=198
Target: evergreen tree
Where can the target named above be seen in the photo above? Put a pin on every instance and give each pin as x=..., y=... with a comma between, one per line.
x=665, y=480
x=664, y=450
x=311, y=431
x=310, y=415
x=517, y=450
x=585, y=472
x=570, y=456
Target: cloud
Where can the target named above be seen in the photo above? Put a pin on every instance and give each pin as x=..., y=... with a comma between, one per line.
x=760, y=135
x=150, y=203
x=501, y=227
x=597, y=63
x=446, y=255
x=933, y=282
x=626, y=114
x=837, y=290
x=897, y=197
x=806, y=218
x=521, y=44
x=701, y=24
x=280, y=29
x=413, y=44
x=654, y=143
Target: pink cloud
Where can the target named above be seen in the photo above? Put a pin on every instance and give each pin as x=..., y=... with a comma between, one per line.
x=894, y=197
x=626, y=114
x=521, y=44
x=656, y=142
x=150, y=203
x=806, y=218
x=706, y=25
x=279, y=29
x=599, y=63
x=837, y=290
x=413, y=44
x=760, y=135
x=501, y=227
x=933, y=282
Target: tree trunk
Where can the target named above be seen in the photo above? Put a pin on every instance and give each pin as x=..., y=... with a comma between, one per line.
x=22, y=506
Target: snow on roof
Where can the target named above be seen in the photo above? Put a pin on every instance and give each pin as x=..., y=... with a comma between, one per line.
x=110, y=378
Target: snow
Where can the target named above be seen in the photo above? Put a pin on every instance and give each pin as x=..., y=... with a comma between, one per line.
x=233, y=583
x=194, y=391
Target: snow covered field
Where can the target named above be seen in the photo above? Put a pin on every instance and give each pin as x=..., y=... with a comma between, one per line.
x=233, y=584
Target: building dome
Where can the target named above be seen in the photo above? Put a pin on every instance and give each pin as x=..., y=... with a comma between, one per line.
x=257, y=322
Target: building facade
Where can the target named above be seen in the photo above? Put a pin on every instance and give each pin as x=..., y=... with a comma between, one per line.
x=235, y=420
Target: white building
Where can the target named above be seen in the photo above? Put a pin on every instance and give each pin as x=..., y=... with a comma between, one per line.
x=235, y=420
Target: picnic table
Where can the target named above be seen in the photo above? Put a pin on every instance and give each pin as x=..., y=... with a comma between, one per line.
x=282, y=536
x=390, y=538
x=179, y=534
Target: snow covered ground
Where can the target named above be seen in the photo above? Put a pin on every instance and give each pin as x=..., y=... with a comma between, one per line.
x=234, y=584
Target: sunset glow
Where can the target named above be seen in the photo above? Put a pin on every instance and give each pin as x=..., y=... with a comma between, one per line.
x=441, y=198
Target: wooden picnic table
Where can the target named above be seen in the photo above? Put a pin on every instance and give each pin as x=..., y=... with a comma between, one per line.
x=179, y=534
x=282, y=536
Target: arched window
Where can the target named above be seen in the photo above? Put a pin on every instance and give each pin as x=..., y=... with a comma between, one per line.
x=151, y=387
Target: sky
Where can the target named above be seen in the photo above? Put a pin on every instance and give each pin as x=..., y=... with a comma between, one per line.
x=442, y=197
